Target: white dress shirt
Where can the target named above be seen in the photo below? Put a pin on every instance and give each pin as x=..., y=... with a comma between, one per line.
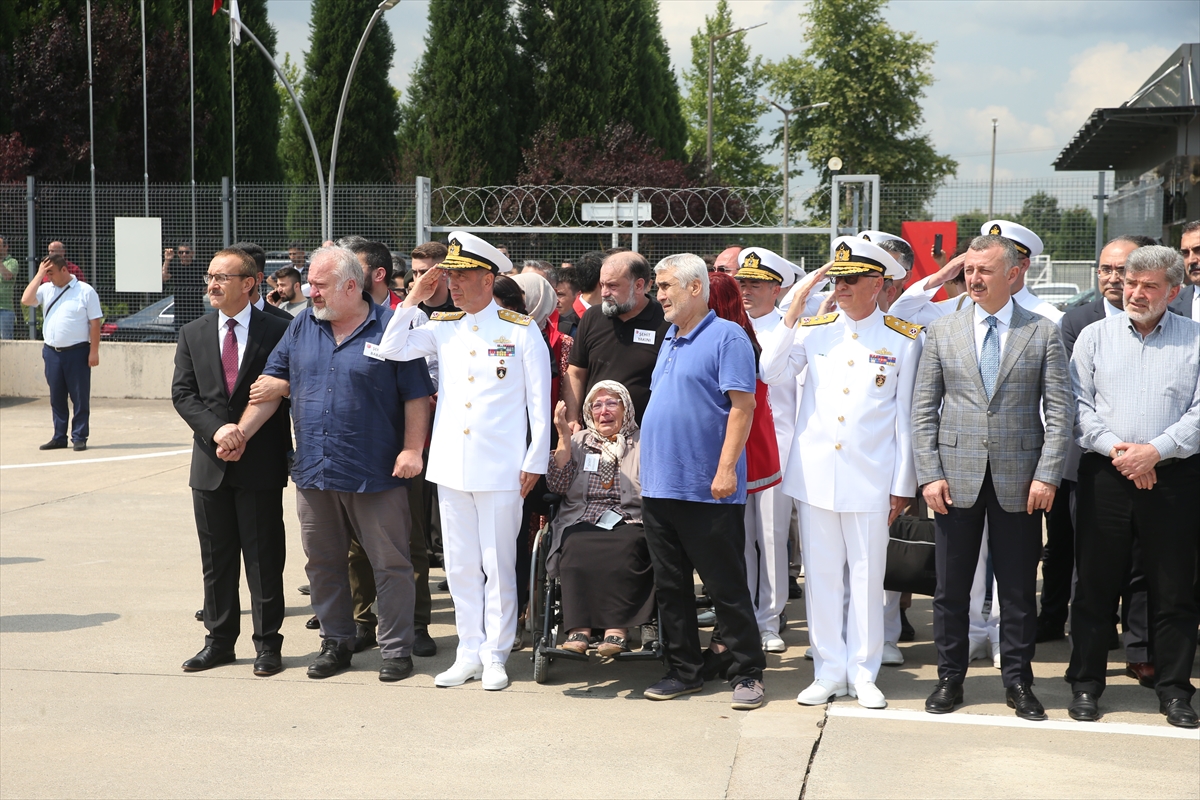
x=241, y=331
x=1196, y=305
x=1110, y=310
x=68, y=322
x=1004, y=320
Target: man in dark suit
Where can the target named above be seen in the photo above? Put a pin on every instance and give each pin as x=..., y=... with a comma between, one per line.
x=1187, y=303
x=260, y=262
x=991, y=369
x=238, y=504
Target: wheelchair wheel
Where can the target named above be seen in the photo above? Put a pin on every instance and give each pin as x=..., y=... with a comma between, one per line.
x=541, y=663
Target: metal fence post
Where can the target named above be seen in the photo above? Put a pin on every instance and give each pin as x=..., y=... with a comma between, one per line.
x=424, y=214
x=634, y=242
x=1099, y=228
x=31, y=244
x=225, y=240
x=834, y=188
x=616, y=236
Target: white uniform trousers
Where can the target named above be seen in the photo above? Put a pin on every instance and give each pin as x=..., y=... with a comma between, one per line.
x=891, y=617
x=983, y=629
x=835, y=543
x=768, y=518
x=479, y=539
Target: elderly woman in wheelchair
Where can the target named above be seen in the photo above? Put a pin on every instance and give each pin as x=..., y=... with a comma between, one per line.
x=598, y=548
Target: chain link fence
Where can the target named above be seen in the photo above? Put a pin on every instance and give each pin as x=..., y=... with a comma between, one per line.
x=550, y=223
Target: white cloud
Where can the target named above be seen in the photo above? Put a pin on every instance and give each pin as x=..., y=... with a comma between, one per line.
x=1102, y=76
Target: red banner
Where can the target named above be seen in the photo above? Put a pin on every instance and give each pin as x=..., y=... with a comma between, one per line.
x=920, y=236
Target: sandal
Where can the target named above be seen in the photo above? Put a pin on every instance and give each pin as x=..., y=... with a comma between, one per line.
x=577, y=643
x=612, y=645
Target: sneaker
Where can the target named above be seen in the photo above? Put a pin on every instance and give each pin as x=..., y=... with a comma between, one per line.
x=649, y=635
x=892, y=657
x=332, y=659
x=706, y=619
x=458, y=674
x=494, y=676
x=747, y=694
x=868, y=695
x=821, y=692
x=771, y=642
x=671, y=687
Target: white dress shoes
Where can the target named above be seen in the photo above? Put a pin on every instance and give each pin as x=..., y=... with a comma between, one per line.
x=494, y=677
x=995, y=648
x=868, y=695
x=821, y=692
x=808, y=653
x=771, y=642
x=892, y=657
x=978, y=651
x=458, y=674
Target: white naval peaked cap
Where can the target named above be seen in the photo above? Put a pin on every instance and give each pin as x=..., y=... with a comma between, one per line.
x=760, y=264
x=1028, y=243
x=879, y=236
x=855, y=256
x=468, y=251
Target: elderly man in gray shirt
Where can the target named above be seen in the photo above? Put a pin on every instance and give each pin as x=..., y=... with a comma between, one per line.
x=1137, y=387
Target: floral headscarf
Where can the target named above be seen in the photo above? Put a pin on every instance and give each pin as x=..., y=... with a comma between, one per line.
x=611, y=449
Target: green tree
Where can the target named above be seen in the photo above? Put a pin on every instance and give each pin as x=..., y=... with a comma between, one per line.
x=874, y=78
x=258, y=102
x=565, y=44
x=1068, y=235
x=738, y=79
x=465, y=110
x=644, y=91
x=367, y=148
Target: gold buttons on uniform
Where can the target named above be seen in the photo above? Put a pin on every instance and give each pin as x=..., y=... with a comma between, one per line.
x=468, y=405
x=841, y=419
x=854, y=336
x=851, y=363
x=474, y=327
x=837, y=446
x=466, y=430
x=470, y=377
x=472, y=352
x=846, y=390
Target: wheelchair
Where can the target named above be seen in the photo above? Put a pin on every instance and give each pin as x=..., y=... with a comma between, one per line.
x=544, y=620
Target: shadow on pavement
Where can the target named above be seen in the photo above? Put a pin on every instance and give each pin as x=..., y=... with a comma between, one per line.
x=52, y=623
x=6, y=560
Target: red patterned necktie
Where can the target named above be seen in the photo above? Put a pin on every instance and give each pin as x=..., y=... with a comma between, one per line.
x=229, y=356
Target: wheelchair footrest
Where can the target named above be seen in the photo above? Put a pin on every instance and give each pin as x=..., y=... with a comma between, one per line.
x=554, y=652
x=638, y=655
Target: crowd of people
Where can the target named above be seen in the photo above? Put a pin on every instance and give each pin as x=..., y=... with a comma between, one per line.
x=731, y=417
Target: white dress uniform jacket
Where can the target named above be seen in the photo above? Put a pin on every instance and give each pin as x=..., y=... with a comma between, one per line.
x=917, y=305
x=853, y=441
x=494, y=371
x=783, y=396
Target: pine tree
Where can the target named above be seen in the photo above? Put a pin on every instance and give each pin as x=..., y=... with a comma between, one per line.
x=568, y=52
x=258, y=107
x=644, y=91
x=737, y=81
x=367, y=148
x=462, y=122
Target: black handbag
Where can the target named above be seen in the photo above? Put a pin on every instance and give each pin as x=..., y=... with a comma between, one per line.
x=911, y=566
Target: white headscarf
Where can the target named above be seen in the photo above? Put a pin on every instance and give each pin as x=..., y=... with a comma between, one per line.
x=540, y=300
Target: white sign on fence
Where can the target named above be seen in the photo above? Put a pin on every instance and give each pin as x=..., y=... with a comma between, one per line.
x=603, y=212
x=138, y=253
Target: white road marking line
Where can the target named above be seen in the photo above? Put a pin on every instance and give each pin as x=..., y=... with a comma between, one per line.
x=97, y=460
x=959, y=718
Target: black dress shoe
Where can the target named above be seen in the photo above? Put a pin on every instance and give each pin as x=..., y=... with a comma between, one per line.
x=424, y=645
x=945, y=697
x=1179, y=713
x=268, y=663
x=1084, y=708
x=54, y=444
x=364, y=637
x=211, y=656
x=313, y=623
x=1021, y=698
x=1050, y=631
x=305, y=589
x=200, y=615
x=907, y=632
x=443, y=586
x=79, y=446
x=332, y=659
x=795, y=590
x=395, y=669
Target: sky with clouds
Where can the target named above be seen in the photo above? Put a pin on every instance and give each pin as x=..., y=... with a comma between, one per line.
x=1038, y=66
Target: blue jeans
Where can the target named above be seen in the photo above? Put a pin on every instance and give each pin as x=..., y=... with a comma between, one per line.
x=68, y=374
x=8, y=321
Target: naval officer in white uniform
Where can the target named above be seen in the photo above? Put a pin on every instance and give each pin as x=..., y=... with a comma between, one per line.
x=494, y=397
x=761, y=276
x=851, y=470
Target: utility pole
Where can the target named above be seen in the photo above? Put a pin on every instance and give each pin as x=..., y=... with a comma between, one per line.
x=992, y=179
x=787, y=112
x=712, y=41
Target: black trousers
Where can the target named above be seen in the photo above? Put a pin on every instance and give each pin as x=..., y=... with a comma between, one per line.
x=1166, y=521
x=709, y=538
x=1015, y=543
x=1058, y=558
x=230, y=521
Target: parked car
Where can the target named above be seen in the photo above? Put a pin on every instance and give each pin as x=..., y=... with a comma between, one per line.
x=1056, y=294
x=154, y=323
x=1084, y=297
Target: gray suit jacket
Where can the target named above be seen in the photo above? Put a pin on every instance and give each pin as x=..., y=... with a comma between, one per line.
x=969, y=433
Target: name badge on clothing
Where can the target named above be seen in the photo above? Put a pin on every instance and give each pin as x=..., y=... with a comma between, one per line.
x=371, y=350
x=643, y=337
x=591, y=462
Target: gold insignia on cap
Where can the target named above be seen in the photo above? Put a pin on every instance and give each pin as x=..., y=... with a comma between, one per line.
x=842, y=253
x=453, y=250
x=752, y=261
x=994, y=230
x=865, y=238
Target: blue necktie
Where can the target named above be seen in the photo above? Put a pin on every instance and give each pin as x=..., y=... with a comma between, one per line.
x=989, y=357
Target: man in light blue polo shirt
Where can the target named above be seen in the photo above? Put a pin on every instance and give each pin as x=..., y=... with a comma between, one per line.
x=693, y=469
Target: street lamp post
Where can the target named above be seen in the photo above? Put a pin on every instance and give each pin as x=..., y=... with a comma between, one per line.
x=712, y=41
x=787, y=112
x=386, y=5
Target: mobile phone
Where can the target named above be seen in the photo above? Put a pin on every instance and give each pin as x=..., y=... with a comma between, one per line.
x=937, y=244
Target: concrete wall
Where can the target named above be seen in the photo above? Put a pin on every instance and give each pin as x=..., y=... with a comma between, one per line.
x=127, y=370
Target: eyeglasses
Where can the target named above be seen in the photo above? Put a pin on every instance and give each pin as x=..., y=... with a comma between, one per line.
x=1108, y=272
x=605, y=405
x=222, y=277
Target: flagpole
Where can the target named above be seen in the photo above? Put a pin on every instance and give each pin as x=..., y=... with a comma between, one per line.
x=233, y=129
x=91, y=143
x=192, y=111
x=145, y=119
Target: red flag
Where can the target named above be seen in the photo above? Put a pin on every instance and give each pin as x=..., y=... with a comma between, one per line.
x=217, y=6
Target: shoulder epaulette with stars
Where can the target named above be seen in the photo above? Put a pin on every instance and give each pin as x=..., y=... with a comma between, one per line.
x=514, y=317
x=909, y=329
x=823, y=319
x=446, y=316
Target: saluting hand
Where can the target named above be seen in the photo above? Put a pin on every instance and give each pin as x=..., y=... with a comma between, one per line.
x=424, y=287
x=800, y=298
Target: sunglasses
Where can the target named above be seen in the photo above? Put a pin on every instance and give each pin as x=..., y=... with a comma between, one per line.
x=849, y=280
